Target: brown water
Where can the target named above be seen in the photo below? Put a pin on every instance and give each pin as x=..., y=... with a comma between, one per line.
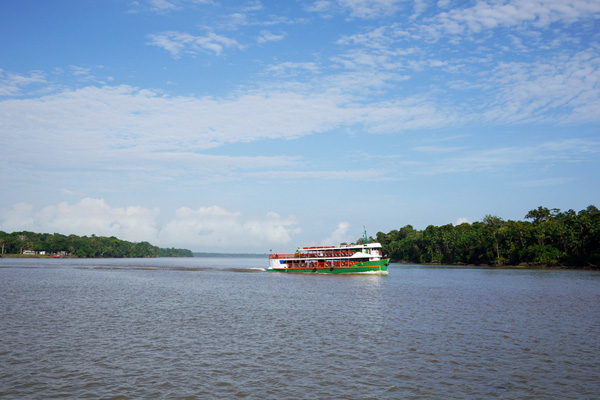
x=199, y=328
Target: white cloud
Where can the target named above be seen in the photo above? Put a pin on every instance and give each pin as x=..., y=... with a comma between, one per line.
x=538, y=13
x=563, y=150
x=340, y=235
x=162, y=5
x=206, y=228
x=165, y=6
x=128, y=136
x=293, y=68
x=419, y=7
x=462, y=220
x=320, y=6
x=371, y=175
x=267, y=36
x=142, y=131
x=123, y=118
x=378, y=38
x=370, y=8
x=437, y=149
x=253, y=6
x=560, y=90
x=178, y=43
x=557, y=87
x=79, y=71
x=213, y=227
x=552, y=181
x=88, y=216
x=12, y=84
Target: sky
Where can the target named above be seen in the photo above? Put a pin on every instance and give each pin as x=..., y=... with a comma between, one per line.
x=251, y=126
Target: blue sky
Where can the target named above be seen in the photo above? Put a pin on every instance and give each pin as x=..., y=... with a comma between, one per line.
x=245, y=126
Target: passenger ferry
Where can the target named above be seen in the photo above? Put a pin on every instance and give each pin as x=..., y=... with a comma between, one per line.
x=365, y=258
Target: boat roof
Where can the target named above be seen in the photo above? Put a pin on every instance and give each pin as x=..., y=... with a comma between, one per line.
x=349, y=246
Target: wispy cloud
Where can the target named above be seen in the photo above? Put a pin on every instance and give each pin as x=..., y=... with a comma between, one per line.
x=179, y=43
x=561, y=90
x=551, y=152
x=368, y=9
x=419, y=7
x=468, y=160
x=380, y=38
x=267, y=36
x=123, y=117
x=319, y=6
x=293, y=68
x=490, y=15
x=370, y=175
x=437, y=149
x=79, y=71
x=553, y=181
x=12, y=84
x=562, y=86
x=164, y=6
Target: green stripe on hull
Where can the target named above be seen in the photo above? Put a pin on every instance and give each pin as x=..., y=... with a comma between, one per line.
x=360, y=267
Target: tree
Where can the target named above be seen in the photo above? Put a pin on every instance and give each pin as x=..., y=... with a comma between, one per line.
x=22, y=239
x=495, y=231
x=542, y=214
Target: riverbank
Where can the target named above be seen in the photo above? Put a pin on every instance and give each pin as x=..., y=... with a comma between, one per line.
x=521, y=266
x=32, y=256
x=42, y=256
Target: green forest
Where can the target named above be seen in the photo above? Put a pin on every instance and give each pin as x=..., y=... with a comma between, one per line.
x=44, y=244
x=549, y=237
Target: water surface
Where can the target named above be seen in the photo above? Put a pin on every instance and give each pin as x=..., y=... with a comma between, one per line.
x=216, y=328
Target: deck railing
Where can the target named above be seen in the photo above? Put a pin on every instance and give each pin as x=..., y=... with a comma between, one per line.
x=278, y=256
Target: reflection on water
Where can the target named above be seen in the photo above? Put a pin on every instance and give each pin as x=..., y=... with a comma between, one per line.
x=223, y=328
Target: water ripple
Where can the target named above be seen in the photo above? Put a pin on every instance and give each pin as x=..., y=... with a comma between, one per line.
x=157, y=329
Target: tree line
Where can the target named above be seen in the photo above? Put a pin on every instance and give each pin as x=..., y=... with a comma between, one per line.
x=82, y=246
x=549, y=237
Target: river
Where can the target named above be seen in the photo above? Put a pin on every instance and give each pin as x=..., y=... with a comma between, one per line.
x=210, y=328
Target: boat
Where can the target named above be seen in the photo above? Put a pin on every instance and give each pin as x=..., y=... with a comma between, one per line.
x=364, y=258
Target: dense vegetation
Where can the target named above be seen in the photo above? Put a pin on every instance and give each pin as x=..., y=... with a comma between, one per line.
x=550, y=238
x=82, y=246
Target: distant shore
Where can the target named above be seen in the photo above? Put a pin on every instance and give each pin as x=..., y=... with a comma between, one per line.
x=70, y=257
x=32, y=256
x=522, y=266
x=197, y=255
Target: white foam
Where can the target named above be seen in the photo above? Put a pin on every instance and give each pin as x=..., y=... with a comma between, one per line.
x=373, y=273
